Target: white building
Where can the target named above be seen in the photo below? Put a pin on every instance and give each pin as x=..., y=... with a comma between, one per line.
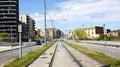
x=28, y=25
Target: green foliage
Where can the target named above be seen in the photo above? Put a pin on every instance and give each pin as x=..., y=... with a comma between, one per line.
x=97, y=55
x=2, y=35
x=104, y=38
x=28, y=58
x=80, y=34
x=115, y=38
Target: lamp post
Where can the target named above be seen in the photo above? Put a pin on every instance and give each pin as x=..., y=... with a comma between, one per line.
x=104, y=32
x=45, y=22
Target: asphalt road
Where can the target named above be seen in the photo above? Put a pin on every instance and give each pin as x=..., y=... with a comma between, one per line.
x=108, y=50
x=10, y=55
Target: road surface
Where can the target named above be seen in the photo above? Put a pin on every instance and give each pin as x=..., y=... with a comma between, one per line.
x=10, y=55
x=108, y=50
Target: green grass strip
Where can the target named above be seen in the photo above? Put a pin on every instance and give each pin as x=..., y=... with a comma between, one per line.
x=28, y=58
x=114, y=62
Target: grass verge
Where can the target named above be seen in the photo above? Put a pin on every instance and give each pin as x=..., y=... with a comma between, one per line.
x=114, y=62
x=28, y=58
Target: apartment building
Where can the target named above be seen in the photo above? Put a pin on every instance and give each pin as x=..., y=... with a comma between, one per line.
x=115, y=33
x=39, y=33
x=94, y=32
x=53, y=33
x=9, y=19
x=28, y=27
x=70, y=34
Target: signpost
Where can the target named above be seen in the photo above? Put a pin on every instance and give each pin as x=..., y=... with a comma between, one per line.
x=20, y=42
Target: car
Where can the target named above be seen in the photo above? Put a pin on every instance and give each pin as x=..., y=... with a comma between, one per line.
x=38, y=42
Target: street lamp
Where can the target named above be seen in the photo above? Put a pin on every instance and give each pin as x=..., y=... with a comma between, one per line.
x=45, y=22
x=104, y=32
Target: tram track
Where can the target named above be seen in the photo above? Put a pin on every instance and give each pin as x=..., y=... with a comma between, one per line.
x=56, y=50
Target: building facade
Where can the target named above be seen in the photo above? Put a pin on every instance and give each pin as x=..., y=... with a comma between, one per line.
x=94, y=32
x=70, y=34
x=28, y=27
x=9, y=19
x=39, y=34
x=115, y=33
x=53, y=33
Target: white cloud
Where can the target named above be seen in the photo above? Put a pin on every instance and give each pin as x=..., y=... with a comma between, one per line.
x=84, y=10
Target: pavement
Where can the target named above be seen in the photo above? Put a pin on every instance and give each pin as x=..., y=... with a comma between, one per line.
x=45, y=59
x=6, y=48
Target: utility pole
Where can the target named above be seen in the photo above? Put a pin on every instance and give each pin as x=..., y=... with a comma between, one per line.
x=52, y=31
x=45, y=22
x=104, y=32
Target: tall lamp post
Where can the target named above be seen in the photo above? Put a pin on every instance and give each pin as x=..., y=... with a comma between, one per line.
x=104, y=32
x=45, y=22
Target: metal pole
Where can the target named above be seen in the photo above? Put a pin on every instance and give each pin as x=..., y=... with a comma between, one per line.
x=20, y=41
x=45, y=21
x=104, y=32
x=20, y=46
x=52, y=30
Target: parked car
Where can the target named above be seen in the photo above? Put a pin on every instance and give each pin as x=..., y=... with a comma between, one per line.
x=38, y=42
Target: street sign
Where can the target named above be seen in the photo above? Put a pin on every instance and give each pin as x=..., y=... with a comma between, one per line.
x=19, y=28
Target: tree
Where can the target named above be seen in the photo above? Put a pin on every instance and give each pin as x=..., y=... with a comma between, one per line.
x=2, y=35
x=80, y=34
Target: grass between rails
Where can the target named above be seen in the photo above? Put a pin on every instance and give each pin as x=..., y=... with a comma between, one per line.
x=28, y=58
x=97, y=55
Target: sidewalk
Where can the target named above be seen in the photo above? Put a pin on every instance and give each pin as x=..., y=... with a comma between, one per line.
x=44, y=59
x=6, y=48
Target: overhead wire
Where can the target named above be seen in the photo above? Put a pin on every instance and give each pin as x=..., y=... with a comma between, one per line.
x=70, y=10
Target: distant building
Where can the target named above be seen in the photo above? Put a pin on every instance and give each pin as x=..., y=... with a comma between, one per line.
x=39, y=34
x=115, y=33
x=28, y=26
x=94, y=32
x=70, y=34
x=9, y=19
x=50, y=33
x=53, y=33
x=106, y=31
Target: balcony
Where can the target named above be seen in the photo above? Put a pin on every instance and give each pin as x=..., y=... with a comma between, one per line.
x=8, y=18
x=7, y=9
x=10, y=5
x=8, y=1
x=7, y=21
x=7, y=25
x=8, y=30
x=8, y=13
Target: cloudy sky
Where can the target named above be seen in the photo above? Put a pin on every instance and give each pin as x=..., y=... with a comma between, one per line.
x=71, y=14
